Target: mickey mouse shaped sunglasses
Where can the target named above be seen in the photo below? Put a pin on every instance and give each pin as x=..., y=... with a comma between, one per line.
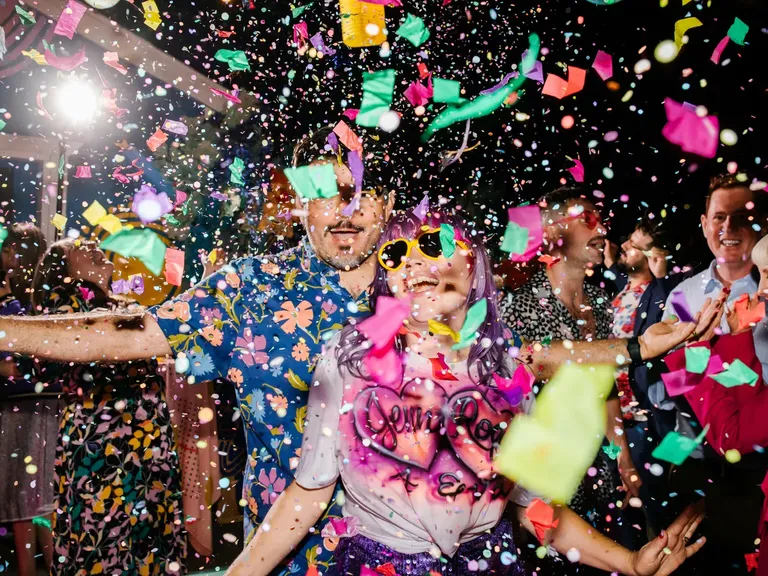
x=393, y=253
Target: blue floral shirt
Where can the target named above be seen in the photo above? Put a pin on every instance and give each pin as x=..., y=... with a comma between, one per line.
x=260, y=322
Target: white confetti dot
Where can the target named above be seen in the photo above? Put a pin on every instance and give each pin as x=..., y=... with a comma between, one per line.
x=230, y=537
x=205, y=415
x=728, y=137
x=174, y=567
x=642, y=66
x=666, y=51
x=389, y=121
x=372, y=29
x=573, y=555
x=656, y=469
x=635, y=502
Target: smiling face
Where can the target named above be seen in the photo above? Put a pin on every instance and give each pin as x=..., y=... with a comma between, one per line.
x=88, y=262
x=633, y=251
x=577, y=233
x=438, y=287
x=341, y=241
x=727, y=226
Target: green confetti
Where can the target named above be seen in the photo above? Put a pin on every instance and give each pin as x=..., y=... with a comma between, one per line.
x=736, y=374
x=413, y=30
x=475, y=318
x=447, y=91
x=2, y=124
x=313, y=181
x=675, y=448
x=447, y=242
x=3, y=235
x=697, y=359
x=378, y=88
x=141, y=243
x=236, y=172
x=27, y=18
x=515, y=239
x=61, y=166
x=485, y=103
x=42, y=521
x=612, y=451
x=738, y=31
x=235, y=59
x=299, y=10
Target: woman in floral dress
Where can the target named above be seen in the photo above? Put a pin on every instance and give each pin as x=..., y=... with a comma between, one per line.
x=118, y=489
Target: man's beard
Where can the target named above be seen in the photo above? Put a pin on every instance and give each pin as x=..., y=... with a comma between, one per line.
x=348, y=261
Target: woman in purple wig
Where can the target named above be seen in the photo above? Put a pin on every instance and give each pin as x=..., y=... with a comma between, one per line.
x=405, y=408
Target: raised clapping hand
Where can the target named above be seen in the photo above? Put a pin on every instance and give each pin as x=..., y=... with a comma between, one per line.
x=664, y=554
x=667, y=334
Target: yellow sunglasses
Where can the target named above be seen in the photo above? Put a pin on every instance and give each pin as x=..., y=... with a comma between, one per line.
x=393, y=253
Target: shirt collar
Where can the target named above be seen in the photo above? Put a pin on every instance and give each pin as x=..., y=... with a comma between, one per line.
x=712, y=281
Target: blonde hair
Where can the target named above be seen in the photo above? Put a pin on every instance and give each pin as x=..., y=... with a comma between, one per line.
x=760, y=254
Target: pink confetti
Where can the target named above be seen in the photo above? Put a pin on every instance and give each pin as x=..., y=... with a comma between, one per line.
x=69, y=19
x=227, y=95
x=692, y=133
x=300, y=33
x=109, y=102
x=174, y=266
x=603, y=65
x=527, y=217
x=418, y=94
x=577, y=171
x=385, y=2
x=718, y=51
x=111, y=59
x=65, y=63
x=156, y=140
x=83, y=172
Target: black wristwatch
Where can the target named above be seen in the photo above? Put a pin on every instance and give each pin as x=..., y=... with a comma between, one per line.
x=633, y=347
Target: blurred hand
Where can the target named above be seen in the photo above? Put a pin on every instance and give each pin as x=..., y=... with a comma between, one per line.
x=629, y=476
x=708, y=332
x=610, y=253
x=657, y=262
x=667, y=334
x=664, y=554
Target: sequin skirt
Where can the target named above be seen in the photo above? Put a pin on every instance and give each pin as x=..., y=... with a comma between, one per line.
x=493, y=553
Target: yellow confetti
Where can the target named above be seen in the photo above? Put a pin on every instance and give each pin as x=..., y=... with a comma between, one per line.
x=59, y=222
x=94, y=213
x=151, y=14
x=36, y=56
x=682, y=26
x=212, y=256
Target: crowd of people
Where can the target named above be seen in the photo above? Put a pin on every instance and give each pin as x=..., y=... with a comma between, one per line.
x=372, y=416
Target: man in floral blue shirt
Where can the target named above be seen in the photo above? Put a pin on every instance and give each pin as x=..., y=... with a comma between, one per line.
x=260, y=322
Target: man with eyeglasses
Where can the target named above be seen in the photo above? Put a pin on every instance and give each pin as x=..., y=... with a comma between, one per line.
x=260, y=322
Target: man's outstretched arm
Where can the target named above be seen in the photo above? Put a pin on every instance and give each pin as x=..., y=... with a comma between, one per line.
x=91, y=337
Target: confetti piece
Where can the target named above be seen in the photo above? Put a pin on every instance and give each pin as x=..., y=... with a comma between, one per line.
x=314, y=181
x=36, y=56
x=27, y=18
x=737, y=374
x=3, y=234
x=527, y=218
x=174, y=266
x=682, y=26
x=112, y=59
x=156, y=140
x=680, y=307
x=65, y=63
x=175, y=127
x=150, y=206
x=549, y=452
x=300, y=34
x=738, y=31
x=447, y=91
x=357, y=19
x=697, y=359
x=559, y=88
x=694, y=134
x=236, y=172
x=83, y=172
x=69, y=19
x=675, y=448
x=299, y=10
x=532, y=68
x=418, y=94
x=348, y=137
x=141, y=243
x=378, y=90
x=603, y=65
x=577, y=171
x=2, y=124
x=319, y=44
x=718, y=51
x=94, y=213
x=59, y=222
x=235, y=59
x=515, y=388
x=227, y=95
x=677, y=382
x=151, y=14
x=747, y=316
x=612, y=450
x=542, y=516
x=413, y=30
x=476, y=315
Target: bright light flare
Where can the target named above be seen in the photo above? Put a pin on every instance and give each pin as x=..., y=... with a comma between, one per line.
x=77, y=100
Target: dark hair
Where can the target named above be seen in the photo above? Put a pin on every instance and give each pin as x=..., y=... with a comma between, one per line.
x=724, y=182
x=485, y=361
x=28, y=244
x=561, y=197
x=378, y=174
x=51, y=278
x=659, y=237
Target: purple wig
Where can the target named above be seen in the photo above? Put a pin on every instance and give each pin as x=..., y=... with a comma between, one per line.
x=483, y=361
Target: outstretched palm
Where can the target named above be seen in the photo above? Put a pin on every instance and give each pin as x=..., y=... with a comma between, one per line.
x=665, y=554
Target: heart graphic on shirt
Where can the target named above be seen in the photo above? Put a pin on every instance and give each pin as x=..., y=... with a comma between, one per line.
x=474, y=429
x=409, y=426
x=403, y=426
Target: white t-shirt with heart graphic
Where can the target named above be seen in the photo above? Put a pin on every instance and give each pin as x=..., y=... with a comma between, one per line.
x=416, y=461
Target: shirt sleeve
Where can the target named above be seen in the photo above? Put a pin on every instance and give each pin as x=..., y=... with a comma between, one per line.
x=318, y=466
x=204, y=321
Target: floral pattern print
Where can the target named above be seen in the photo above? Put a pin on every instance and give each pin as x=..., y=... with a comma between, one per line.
x=118, y=508
x=260, y=323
